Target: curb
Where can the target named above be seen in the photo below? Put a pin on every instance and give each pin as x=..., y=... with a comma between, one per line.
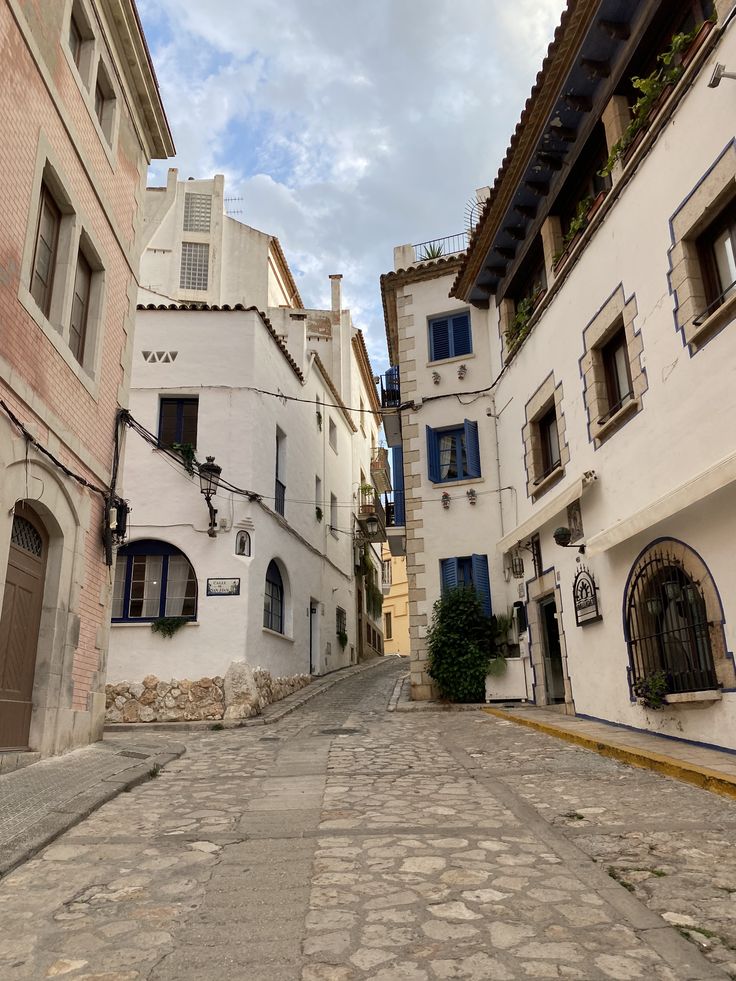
x=699, y=776
x=60, y=820
x=397, y=703
x=300, y=698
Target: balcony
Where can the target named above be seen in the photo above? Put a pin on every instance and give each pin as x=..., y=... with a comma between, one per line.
x=441, y=248
x=380, y=470
x=391, y=400
x=396, y=523
x=369, y=506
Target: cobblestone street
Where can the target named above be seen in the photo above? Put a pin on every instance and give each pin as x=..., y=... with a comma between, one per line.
x=346, y=842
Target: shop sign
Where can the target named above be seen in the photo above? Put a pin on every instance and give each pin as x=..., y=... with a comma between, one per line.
x=585, y=597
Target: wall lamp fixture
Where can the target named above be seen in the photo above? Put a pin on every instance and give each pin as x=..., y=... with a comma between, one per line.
x=563, y=536
x=719, y=72
x=209, y=481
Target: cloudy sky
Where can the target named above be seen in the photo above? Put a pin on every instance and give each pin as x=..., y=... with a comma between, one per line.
x=346, y=126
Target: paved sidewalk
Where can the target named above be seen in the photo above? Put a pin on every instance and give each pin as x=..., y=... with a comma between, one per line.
x=40, y=802
x=711, y=769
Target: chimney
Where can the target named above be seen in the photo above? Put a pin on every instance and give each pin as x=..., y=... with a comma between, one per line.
x=336, y=293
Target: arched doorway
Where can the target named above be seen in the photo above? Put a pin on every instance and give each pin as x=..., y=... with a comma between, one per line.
x=19, y=625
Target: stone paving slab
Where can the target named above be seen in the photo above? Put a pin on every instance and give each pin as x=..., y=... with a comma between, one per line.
x=448, y=861
x=711, y=769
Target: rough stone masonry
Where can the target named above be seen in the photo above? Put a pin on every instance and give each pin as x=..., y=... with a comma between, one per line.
x=242, y=693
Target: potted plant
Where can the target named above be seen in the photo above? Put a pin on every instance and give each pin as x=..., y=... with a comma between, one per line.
x=318, y=513
x=367, y=498
x=342, y=638
x=652, y=689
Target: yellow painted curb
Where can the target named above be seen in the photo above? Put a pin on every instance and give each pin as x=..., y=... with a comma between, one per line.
x=700, y=776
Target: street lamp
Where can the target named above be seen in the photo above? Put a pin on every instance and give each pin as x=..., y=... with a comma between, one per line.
x=209, y=481
x=371, y=525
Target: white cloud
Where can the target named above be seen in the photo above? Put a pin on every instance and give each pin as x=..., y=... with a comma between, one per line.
x=347, y=128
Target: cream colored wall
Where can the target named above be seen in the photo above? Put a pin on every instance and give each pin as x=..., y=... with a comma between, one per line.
x=684, y=426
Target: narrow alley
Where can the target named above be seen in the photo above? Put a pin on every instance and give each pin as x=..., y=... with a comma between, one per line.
x=347, y=842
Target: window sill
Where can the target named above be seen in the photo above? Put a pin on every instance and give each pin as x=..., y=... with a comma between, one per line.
x=458, y=483
x=453, y=360
x=544, y=485
x=694, y=697
x=611, y=424
x=146, y=623
x=275, y=633
x=720, y=317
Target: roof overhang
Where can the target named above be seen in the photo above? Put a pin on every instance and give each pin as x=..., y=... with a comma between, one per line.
x=136, y=59
x=589, y=52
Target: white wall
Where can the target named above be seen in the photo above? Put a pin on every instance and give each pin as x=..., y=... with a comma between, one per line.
x=219, y=353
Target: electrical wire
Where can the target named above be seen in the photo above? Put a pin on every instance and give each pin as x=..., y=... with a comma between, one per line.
x=32, y=441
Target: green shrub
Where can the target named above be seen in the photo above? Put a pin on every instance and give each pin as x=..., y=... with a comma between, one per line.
x=460, y=646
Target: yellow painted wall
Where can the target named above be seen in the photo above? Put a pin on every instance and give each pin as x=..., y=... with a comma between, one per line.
x=396, y=604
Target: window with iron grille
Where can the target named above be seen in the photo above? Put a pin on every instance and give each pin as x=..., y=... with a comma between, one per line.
x=667, y=628
x=341, y=621
x=197, y=212
x=273, y=599
x=195, y=265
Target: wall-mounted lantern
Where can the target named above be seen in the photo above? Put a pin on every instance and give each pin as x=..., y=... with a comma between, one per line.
x=209, y=481
x=563, y=538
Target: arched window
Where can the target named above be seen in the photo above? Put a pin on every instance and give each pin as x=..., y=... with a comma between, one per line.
x=273, y=601
x=667, y=625
x=242, y=543
x=153, y=579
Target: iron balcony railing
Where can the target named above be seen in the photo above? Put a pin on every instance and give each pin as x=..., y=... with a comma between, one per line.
x=280, y=495
x=390, y=389
x=437, y=248
x=395, y=510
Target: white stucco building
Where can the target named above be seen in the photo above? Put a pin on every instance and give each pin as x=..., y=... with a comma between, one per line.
x=599, y=374
x=231, y=365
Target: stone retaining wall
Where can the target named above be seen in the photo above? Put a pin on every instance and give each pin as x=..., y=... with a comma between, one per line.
x=242, y=693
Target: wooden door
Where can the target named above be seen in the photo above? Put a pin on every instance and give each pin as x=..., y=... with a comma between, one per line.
x=19, y=625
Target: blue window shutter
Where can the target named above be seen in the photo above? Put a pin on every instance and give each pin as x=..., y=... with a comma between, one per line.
x=472, y=448
x=482, y=582
x=448, y=575
x=433, y=455
x=462, y=341
x=397, y=472
x=439, y=340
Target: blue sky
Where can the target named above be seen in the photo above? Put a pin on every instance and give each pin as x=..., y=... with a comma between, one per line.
x=346, y=128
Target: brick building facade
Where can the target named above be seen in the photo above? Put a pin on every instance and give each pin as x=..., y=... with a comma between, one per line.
x=81, y=119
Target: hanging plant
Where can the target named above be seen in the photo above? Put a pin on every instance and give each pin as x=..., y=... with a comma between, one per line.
x=168, y=626
x=186, y=452
x=578, y=224
x=520, y=324
x=318, y=513
x=342, y=638
x=319, y=420
x=651, y=88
